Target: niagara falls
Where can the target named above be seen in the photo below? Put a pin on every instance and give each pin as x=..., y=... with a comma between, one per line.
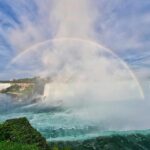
x=74, y=75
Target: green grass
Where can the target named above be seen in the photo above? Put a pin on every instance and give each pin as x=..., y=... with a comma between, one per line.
x=15, y=146
x=56, y=147
x=20, y=131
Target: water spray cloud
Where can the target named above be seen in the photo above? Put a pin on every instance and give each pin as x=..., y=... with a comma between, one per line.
x=72, y=58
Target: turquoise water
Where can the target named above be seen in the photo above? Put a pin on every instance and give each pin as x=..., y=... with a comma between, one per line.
x=57, y=123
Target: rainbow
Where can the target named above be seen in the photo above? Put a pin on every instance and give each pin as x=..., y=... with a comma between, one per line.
x=34, y=47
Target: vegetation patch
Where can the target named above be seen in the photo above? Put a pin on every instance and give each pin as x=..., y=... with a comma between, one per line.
x=20, y=131
x=16, y=146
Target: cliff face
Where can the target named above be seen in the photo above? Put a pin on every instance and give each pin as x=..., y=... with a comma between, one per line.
x=27, y=88
x=19, y=89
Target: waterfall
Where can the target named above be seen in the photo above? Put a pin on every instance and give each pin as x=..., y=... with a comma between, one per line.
x=4, y=86
x=57, y=91
x=46, y=90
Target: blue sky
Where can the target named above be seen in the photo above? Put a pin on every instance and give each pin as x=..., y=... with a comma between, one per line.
x=121, y=25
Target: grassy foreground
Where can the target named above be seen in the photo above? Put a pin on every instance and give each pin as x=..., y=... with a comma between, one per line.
x=15, y=146
x=18, y=133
